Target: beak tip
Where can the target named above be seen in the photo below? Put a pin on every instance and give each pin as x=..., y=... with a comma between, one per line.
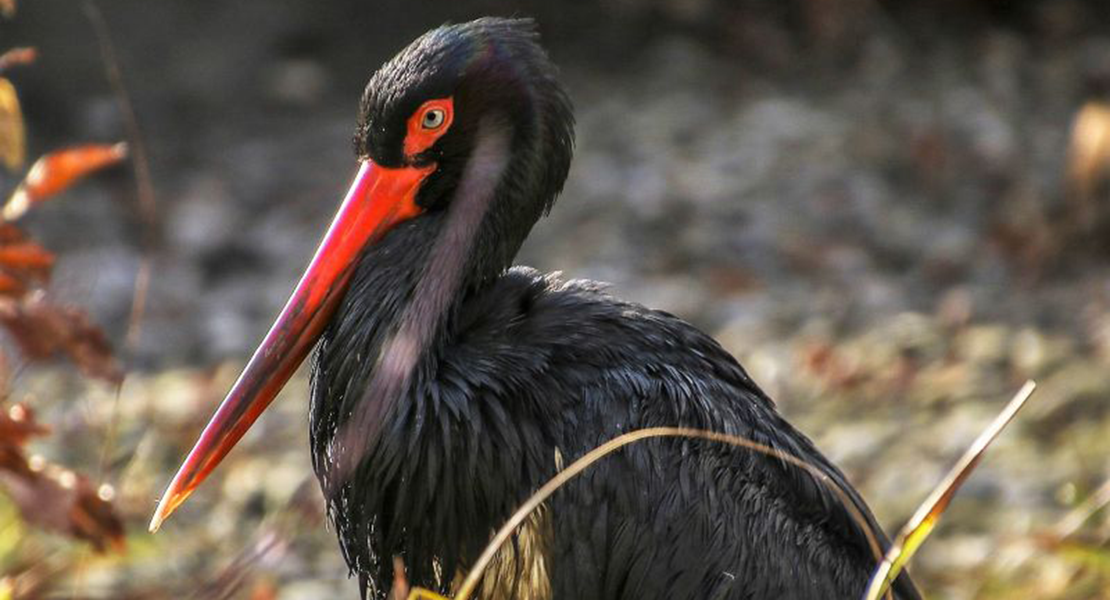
x=166, y=506
x=157, y=519
x=378, y=199
x=155, y=523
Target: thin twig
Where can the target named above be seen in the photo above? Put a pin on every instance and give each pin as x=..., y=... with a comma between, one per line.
x=144, y=188
x=148, y=213
x=138, y=302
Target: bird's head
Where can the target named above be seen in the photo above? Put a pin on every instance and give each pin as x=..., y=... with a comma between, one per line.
x=479, y=109
x=466, y=133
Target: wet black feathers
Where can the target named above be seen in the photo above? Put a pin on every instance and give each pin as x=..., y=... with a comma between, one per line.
x=533, y=364
x=525, y=371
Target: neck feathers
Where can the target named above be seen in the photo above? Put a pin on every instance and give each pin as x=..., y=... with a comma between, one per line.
x=426, y=309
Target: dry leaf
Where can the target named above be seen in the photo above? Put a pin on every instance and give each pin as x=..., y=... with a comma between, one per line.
x=61, y=500
x=51, y=496
x=12, y=137
x=11, y=286
x=57, y=171
x=22, y=262
x=17, y=56
x=43, y=329
x=17, y=425
x=7, y=8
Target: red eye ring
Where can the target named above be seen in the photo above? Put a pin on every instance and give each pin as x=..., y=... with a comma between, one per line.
x=427, y=124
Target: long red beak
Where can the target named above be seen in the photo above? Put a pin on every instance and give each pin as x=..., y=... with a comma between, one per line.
x=378, y=199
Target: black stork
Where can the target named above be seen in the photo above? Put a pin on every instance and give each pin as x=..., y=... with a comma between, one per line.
x=447, y=384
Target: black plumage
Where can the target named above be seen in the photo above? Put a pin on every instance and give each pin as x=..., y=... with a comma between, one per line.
x=505, y=374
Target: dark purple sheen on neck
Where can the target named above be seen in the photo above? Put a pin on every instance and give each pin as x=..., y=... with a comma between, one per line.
x=438, y=286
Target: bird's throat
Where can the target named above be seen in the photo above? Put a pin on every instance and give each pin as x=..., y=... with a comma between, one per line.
x=396, y=314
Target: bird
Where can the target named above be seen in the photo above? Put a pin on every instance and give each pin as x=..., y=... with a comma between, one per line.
x=448, y=384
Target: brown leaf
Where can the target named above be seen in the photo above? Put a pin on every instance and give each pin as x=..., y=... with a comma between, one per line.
x=58, y=499
x=50, y=496
x=22, y=261
x=17, y=425
x=9, y=234
x=17, y=56
x=7, y=8
x=26, y=257
x=11, y=286
x=59, y=170
x=824, y=361
x=12, y=137
x=43, y=329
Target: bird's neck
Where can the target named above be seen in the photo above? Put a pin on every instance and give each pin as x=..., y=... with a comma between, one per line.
x=401, y=296
x=384, y=336
x=377, y=365
x=381, y=348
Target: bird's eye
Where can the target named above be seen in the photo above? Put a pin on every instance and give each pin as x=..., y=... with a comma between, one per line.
x=426, y=124
x=433, y=118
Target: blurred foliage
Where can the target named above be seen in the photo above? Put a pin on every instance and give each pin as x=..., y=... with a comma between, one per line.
x=11, y=127
x=45, y=495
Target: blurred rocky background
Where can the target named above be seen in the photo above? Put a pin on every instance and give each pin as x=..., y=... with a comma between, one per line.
x=892, y=212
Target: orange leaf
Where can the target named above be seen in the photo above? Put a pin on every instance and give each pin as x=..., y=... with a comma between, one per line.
x=43, y=329
x=27, y=256
x=17, y=56
x=22, y=261
x=263, y=590
x=11, y=286
x=57, y=171
x=10, y=234
x=12, y=136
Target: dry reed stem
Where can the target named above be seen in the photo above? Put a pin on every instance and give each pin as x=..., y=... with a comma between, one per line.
x=474, y=576
x=922, y=523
